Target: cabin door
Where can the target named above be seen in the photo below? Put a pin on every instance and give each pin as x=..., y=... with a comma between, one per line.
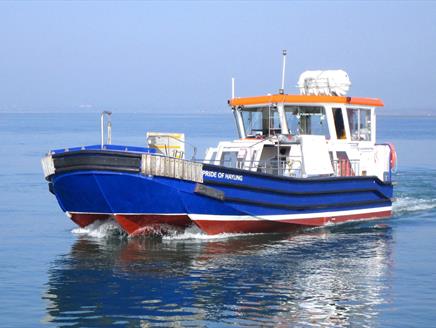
x=339, y=123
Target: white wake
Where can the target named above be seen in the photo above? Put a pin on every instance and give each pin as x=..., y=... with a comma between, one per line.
x=110, y=228
x=100, y=229
x=410, y=204
x=194, y=233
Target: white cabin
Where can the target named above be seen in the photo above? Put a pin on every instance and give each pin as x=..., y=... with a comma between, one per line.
x=305, y=136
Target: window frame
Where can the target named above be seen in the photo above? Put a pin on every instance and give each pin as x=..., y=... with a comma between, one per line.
x=372, y=124
x=260, y=109
x=323, y=111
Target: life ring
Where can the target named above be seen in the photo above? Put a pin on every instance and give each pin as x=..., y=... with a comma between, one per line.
x=392, y=157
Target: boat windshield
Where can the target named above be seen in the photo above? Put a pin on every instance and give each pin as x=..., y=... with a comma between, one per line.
x=261, y=121
x=307, y=120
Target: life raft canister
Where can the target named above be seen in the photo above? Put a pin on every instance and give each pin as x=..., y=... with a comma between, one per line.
x=392, y=157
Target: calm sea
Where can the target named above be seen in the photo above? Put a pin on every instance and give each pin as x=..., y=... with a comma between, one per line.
x=358, y=275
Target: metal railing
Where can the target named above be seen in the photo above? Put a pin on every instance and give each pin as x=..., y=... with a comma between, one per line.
x=346, y=168
x=275, y=166
x=48, y=165
x=293, y=167
x=171, y=167
x=179, y=154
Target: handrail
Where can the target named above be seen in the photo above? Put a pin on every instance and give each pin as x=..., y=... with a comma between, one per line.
x=184, y=142
x=346, y=167
x=271, y=165
x=171, y=167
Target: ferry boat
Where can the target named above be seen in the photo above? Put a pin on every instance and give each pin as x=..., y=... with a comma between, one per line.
x=301, y=160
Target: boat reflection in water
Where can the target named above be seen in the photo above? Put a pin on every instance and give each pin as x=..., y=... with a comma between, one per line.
x=334, y=276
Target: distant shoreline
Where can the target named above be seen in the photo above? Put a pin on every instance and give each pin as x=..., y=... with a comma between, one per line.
x=380, y=113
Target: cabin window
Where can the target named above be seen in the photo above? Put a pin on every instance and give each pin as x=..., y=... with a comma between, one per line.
x=253, y=159
x=213, y=157
x=359, y=120
x=211, y=154
x=261, y=121
x=229, y=158
x=339, y=123
x=307, y=120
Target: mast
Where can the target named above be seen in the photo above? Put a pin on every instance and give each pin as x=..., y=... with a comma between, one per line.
x=282, y=89
x=281, y=107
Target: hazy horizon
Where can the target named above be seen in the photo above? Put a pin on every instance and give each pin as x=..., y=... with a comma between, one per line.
x=179, y=57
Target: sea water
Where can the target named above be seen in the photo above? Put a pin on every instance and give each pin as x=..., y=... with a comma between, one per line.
x=375, y=274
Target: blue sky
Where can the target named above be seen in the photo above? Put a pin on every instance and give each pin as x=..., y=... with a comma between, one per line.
x=180, y=56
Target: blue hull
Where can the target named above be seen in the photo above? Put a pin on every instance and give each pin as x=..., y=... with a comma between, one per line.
x=108, y=192
x=250, y=200
x=114, y=193
x=228, y=200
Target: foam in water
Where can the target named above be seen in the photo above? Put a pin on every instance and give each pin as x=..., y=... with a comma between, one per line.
x=108, y=228
x=410, y=204
x=100, y=229
x=194, y=233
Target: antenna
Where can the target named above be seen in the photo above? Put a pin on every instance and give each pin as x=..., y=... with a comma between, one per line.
x=282, y=89
x=233, y=87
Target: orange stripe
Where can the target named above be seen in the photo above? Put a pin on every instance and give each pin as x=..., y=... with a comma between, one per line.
x=299, y=99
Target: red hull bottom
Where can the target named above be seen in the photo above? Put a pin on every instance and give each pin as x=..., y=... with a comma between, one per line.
x=150, y=224
x=83, y=220
x=138, y=224
x=212, y=227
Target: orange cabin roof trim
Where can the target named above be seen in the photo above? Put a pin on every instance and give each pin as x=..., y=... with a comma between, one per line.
x=300, y=99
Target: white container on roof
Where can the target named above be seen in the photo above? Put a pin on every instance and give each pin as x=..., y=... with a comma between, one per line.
x=324, y=83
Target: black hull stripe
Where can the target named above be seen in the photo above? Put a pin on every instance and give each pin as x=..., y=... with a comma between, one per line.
x=107, y=153
x=104, y=160
x=284, y=178
x=308, y=207
x=97, y=168
x=100, y=160
x=292, y=193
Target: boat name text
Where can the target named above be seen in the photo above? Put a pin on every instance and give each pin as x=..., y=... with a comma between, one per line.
x=222, y=175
